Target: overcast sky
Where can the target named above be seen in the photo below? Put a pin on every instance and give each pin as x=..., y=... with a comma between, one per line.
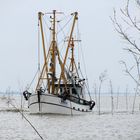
x=18, y=40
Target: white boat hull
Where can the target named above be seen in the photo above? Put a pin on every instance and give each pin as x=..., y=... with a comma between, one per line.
x=52, y=104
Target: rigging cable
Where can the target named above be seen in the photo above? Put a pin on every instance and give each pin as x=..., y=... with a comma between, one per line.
x=45, y=32
x=48, y=41
x=86, y=84
x=38, y=50
x=63, y=35
x=32, y=81
x=62, y=30
x=65, y=25
x=38, y=71
x=46, y=22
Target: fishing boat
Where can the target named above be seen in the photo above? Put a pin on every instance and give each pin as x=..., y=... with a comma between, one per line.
x=63, y=90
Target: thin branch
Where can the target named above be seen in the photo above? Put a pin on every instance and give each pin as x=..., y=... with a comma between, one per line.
x=137, y=64
x=132, y=51
x=120, y=30
x=128, y=72
x=130, y=18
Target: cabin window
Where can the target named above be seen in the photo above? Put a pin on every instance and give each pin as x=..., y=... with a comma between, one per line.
x=61, y=90
x=73, y=91
x=68, y=90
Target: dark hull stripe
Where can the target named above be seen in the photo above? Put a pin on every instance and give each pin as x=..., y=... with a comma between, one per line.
x=54, y=96
x=44, y=95
x=58, y=105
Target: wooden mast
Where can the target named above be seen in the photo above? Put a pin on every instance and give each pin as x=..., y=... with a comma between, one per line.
x=69, y=41
x=43, y=42
x=72, y=65
x=72, y=55
x=53, y=53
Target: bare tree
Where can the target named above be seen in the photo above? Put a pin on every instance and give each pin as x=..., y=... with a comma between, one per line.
x=117, y=98
x=102, y=77
x=126, y=98
x=125, y=26
x=133, y=107
x=95, y=92
x=128, y=27
x=112, y=98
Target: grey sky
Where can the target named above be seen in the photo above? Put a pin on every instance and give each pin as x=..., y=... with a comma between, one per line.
x=18, y=40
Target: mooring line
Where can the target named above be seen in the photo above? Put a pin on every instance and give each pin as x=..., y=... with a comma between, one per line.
x=27, y=120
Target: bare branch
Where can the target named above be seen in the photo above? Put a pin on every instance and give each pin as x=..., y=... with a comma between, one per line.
x=137, y=64
x=103, y=76
x=120, y=30
x=127, y=22
x=128, y=72
x=132, y=51
x=130, y=18
x=134, y=48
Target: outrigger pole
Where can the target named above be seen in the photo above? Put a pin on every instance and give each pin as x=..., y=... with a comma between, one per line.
x=45, y=67
x=69, y=44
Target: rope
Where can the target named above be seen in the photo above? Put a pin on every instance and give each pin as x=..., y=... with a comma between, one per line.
x=38, y=49
x=87, y=85
x=32, y=81
x=64, y=25
x=46, y=22
x=61, y=29
x=27, y=120
x=45, y=35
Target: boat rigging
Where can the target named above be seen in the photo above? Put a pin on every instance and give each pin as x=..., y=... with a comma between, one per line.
x=62, y=93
